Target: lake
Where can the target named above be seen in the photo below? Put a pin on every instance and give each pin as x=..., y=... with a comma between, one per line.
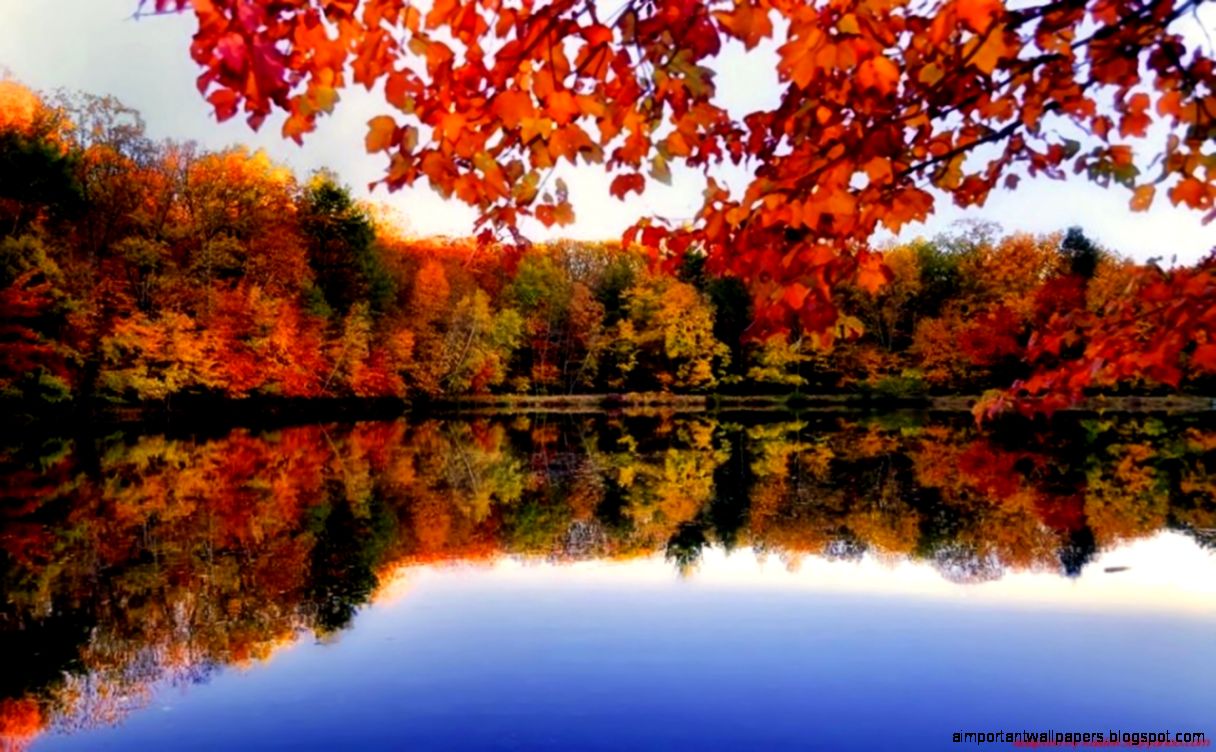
x=633, y=581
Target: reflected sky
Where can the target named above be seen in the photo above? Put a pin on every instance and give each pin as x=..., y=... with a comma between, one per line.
x=739, y=655
x=1164, y=574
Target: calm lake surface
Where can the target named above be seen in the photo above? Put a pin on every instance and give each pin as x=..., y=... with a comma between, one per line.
x=631, y=582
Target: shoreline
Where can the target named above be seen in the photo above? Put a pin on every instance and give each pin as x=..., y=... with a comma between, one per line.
x=203, y=414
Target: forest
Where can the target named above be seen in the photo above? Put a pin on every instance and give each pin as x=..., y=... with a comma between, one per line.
x=135, y=272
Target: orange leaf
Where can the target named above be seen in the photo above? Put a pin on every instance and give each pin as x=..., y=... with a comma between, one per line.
x=1135, y=122
x=878, y=169
x=991, y=51
x=623, y=184
x=979, y=15
x=878, y=73
x=747, y=23
x=224, y=101
x=380, y=133
x=562, y=106
x=872, y=273
x=1191, y=192
x=1121, y=155
x=1142, y=199
x=563, y=213
x=567, y=142
x=396, y=90
x=1170, y=104
x=512, y=107
x=559, y=214
x=442, y=13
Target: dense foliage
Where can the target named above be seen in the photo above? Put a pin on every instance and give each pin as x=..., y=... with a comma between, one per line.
x=134, y=271
x=878, y=107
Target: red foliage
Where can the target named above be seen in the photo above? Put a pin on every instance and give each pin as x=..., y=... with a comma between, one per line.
x=25, y=306
x=992, y=337
x=1162, y=329
x=879, y=101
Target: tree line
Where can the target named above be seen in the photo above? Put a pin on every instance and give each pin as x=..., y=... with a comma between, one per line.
x=134, y=271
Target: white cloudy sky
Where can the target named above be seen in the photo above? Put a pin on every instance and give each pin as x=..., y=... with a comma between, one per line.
x=96, y=46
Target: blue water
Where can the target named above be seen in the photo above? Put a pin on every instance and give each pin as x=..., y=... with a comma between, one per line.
x=564, y=583
x=469, y=660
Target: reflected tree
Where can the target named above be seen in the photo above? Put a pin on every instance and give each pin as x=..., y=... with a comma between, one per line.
x=130, y=560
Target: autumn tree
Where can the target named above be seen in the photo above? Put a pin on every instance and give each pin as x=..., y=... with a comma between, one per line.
x=669, y=333
x=369, y=361
x=879, y=104
x=479, y=344
x=542, y=295
x=563, y=322
x=426, y=306
x=241, y=216
x=37, y=171
x=35, y=362
x=340, y=236
x=889, y=316
x=113, y=154
x=731, y=302
x=778, y=360
x=157, y=270
x=1161, y=331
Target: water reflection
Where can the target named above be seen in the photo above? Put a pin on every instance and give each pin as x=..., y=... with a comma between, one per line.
x=134, y=560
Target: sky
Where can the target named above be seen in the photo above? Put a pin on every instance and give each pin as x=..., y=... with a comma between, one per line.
x=98, y=47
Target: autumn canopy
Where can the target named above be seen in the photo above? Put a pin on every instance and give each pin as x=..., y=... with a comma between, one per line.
x=170, y=271
x=881, y=100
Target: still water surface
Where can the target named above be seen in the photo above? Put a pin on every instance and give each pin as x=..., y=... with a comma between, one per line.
x=604, y=583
